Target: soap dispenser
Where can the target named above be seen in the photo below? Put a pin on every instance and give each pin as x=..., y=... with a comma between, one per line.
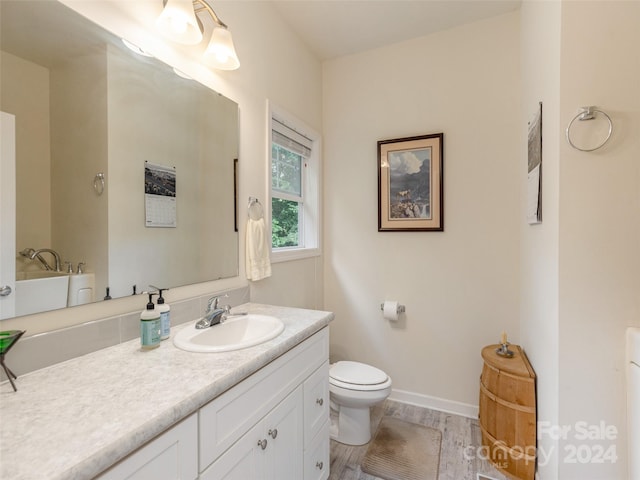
x=165, y=314
x=150, y=327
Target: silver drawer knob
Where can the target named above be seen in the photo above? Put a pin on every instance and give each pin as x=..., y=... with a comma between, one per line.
x=319, y=465
x=262, y=443
x=273, y=433
x=320, y=401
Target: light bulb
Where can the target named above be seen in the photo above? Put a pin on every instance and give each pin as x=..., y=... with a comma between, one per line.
x=179, y=23
x=222, y=57
x=221, y=51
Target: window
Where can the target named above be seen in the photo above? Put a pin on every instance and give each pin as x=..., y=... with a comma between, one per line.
x=294, y=188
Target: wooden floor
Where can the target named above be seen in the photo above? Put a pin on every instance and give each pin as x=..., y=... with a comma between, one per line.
x=459, y=455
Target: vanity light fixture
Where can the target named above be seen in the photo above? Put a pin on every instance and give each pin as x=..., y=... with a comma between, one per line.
x=179, y=22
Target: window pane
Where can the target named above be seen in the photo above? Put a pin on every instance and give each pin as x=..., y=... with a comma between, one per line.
x=286, y=170
x=284, y=223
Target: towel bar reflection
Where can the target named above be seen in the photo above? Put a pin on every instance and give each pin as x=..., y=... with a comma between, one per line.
x=588, y=113
x=98, y=183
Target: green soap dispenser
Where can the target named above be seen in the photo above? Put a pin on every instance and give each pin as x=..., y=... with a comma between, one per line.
x=150, y=326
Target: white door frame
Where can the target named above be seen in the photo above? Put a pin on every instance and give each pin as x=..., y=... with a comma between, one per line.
x=7, y=214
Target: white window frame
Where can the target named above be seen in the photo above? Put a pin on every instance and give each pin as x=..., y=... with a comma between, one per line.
x=311, y=224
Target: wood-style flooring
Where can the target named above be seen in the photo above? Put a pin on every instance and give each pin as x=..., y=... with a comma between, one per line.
x=460, y=457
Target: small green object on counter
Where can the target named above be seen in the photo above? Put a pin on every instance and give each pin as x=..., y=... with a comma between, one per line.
x=8, y=338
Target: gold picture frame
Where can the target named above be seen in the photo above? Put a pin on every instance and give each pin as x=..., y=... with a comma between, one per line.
x=410, y=184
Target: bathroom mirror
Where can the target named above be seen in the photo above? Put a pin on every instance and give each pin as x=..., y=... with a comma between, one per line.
x=121, y=163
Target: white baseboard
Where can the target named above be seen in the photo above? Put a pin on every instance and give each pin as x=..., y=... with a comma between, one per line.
x=435, y=403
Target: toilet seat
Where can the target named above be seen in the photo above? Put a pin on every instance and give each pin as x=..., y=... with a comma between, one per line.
x=358, y=376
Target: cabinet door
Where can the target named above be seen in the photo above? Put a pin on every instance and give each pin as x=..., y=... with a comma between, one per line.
x=271, y=450
x=171, y=456
x=284, y=433
x=316, y=402
x=243, y=461
x=317, y=456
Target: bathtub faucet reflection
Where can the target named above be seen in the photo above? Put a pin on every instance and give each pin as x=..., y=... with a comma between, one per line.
x=31, y=254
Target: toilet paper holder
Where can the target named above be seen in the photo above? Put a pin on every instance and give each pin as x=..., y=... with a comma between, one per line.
x=400, y=308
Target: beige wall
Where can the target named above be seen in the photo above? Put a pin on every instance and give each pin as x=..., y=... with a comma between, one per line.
x=460, y=287
x=580, y=267
x=78, y=153
x=599, y=274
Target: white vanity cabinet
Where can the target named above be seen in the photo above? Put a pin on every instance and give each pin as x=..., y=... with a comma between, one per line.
x=273, y=424
x=170, y=456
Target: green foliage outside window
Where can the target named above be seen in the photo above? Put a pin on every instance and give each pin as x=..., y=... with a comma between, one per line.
x=286, y=176
x=284, y=223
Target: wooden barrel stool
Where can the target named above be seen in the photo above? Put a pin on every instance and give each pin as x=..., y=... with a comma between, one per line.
x=508, y=412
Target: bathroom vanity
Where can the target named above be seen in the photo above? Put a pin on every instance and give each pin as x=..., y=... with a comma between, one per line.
x=256, y=413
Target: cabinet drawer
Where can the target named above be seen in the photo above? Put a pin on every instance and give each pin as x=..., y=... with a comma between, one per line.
x=225, y=419
x=316, y=402
x=316, y=457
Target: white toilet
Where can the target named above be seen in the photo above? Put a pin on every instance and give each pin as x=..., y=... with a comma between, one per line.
x=353, y=388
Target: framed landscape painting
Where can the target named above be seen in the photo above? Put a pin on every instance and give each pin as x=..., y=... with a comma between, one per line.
x=410, y=181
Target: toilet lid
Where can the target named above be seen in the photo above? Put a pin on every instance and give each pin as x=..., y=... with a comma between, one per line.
x=357, y=373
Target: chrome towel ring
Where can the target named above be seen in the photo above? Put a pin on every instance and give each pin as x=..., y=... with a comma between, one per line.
x=255, y=209
x=588, y=113
x=98, y=183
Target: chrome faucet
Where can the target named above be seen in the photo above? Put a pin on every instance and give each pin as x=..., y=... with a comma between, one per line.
x=27, y=254
x=213, y=315
x=216, y=315
x=56, y=256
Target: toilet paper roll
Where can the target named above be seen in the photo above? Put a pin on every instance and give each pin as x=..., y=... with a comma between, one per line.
x=390, y=310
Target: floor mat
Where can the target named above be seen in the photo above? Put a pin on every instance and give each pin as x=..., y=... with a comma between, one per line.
x=402, y=450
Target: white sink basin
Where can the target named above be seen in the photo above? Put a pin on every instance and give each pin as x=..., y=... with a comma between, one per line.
x=235, y=333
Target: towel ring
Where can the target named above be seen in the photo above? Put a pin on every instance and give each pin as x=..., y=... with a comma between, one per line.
x=255, y=209
x=588, y=113
x=98, y=183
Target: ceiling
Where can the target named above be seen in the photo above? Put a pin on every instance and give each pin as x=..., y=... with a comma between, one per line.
x=334, y=28
x=330, y=28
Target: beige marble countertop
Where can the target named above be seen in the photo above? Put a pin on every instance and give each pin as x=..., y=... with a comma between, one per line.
x=77, y=418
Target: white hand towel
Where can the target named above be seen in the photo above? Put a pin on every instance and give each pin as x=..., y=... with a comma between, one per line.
x=258, y=263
